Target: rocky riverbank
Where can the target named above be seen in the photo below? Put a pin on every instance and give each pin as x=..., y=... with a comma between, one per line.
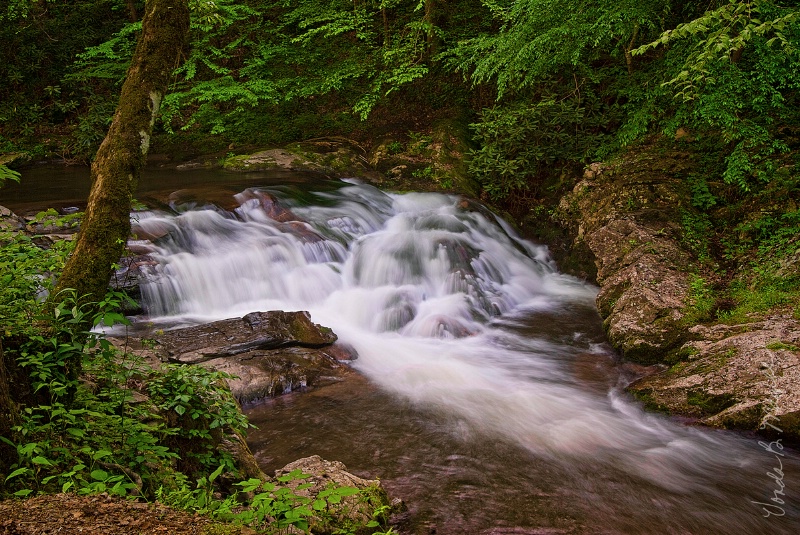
x=632, y=218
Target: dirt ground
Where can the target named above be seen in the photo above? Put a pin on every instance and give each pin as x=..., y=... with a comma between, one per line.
x=103, y=515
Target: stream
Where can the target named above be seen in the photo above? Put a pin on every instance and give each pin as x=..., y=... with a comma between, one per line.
x=488, y=398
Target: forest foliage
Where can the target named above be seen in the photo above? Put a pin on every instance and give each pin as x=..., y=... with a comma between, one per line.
x=624, y=69
x=545, y=86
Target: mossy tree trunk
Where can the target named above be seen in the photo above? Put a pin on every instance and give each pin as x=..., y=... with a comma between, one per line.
x=115, y=171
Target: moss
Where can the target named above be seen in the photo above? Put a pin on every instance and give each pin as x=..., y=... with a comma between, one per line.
x=650, y=402
x=748, y=418
x=776, y=346
x=707, y=403
x=680, y=356
x=246, y=162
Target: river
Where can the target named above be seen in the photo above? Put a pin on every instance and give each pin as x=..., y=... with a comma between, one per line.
x=488, y=398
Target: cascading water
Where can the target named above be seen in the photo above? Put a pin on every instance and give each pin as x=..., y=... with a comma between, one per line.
x=479, y=348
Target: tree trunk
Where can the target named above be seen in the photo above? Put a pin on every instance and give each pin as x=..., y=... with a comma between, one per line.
x=115, y=170
x=628, y=55
x=133, y=15
x=8, y=417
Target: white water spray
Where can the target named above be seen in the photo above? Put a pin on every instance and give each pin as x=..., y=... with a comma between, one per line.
x=424, y=286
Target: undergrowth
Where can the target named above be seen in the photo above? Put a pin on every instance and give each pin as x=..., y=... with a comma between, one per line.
x=92, y=418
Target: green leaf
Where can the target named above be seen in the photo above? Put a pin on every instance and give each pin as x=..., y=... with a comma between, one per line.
x=17, y=472
x=99, y=475
x=99, y=454
x=41, y=460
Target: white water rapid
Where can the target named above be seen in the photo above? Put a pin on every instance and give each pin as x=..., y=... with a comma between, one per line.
x=452, y=313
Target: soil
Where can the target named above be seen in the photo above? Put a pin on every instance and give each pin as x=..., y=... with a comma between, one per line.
x=103, y=515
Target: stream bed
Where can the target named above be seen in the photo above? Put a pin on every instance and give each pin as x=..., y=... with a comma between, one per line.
x=487, y=398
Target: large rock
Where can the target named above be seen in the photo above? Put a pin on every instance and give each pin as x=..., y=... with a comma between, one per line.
x=264, y=374
x=257, y=330
x=268, y=353
x=628, y=218
x=354, y=511
x=9, y=221
x=736, y=376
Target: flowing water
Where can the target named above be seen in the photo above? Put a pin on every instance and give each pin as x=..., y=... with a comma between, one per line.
x=488, y=398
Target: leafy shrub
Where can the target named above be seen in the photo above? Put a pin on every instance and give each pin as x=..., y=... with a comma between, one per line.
x=520, y=141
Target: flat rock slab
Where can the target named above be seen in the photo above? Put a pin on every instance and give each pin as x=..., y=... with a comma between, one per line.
x=257, y=330
x=737, y=376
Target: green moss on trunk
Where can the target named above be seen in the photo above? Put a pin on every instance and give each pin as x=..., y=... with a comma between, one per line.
x=115, y=171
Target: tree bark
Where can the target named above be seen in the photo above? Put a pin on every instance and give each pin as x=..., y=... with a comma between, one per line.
x=8, y=417
x=115, y=170
x=628, y=55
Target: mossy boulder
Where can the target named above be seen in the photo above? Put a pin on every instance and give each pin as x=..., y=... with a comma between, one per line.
x=334, y=157
x=627, y=216
x=734, y=376
x=351, y=511
x=434, y=160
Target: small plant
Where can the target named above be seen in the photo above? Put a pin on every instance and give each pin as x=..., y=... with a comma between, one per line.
x=424, y=173
x=8, y=174
x=701, y=299
x=272, y=507
x=697, y=231
x=418, y=143
x=394, y=147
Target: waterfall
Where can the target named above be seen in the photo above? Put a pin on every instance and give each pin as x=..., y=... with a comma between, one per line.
x=452, y=312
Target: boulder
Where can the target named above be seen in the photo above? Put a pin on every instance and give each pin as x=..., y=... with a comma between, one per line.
x=735, y=376
x=264, y=374
x=267, y=353
x=9, y=221
x=629, y=220
x=630, y=217
x=355, y=511
x=257, y=330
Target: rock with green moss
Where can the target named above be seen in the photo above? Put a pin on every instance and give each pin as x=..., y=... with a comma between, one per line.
x=265, y=160
x=268, y=353
x=335, y=157
x=359, y=509
x=741, y=376
x=627, y=216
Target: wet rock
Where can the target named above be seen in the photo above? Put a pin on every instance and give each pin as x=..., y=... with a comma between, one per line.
x=629, y=217
x=264, y=374
x=269, y=353
x=341, y=352
x=269, y=204
x=736, y=376
x=628, y=220
x=283, y=158
x=257, y=330
x=355, y=511
x=9, y=221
